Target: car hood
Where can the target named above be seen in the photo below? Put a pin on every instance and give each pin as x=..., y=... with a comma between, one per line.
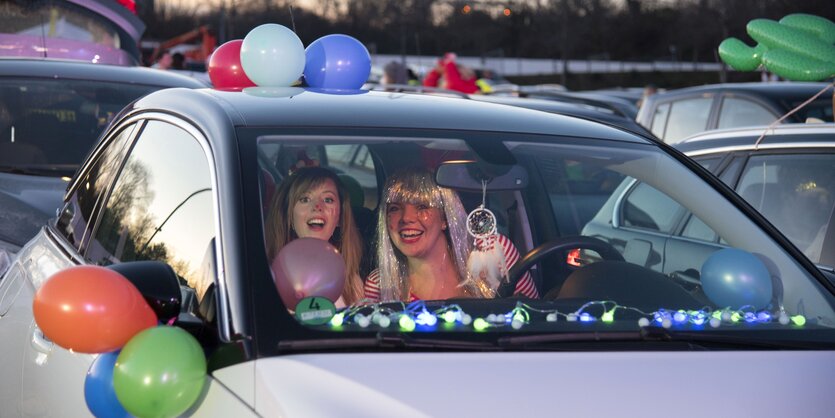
x=26, y=203
x=544, y=384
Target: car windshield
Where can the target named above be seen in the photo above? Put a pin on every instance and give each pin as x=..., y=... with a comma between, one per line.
x=499, y=235
x=48, y=126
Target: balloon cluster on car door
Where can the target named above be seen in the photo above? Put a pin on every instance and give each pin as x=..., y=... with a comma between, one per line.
x=271, y=55
x=142, y=369
x=799, y=48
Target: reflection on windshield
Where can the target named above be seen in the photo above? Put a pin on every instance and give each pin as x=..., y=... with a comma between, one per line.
x=558, y=237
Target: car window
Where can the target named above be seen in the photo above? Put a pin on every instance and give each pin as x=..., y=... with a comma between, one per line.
x=736, y=111
x=161, y=207
x=52, y=124
x=646, y=207
x=708, y=162
x=695, y=228
x=659, y=120
x=796, y=193
x=577, y=190
x=687, y=117
x=76, y=214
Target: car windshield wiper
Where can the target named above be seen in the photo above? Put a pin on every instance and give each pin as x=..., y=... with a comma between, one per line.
x=701, y=339
x=697, y=339
x=385, y=340
x=19, y=170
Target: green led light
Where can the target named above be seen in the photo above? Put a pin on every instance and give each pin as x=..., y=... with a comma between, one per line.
x=799, y=320
x=338, y=319
x=449, y=316
x=717, y=315
x=407, y=323
x=519, y=317
x=480, y=324
x=608, y=316
x=735, y=317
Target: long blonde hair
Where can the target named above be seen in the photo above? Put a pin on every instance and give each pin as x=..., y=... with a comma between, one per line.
x=346, y=238
x=417, y=186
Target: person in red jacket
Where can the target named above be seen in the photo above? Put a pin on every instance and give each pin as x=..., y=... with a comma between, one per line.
x=455, y=76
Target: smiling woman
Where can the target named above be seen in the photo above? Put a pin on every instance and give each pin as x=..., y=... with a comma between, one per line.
x=313, y=203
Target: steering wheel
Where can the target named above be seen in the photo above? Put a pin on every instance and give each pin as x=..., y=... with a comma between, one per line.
x=606, y=250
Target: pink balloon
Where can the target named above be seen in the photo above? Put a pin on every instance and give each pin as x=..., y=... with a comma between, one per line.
x=225, y=68
x=308, y=267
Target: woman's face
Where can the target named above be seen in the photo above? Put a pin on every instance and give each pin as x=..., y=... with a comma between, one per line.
x=416, y=230
x=316, y=212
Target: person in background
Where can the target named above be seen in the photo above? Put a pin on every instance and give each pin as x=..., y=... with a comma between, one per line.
x=452, y=76
x=164, y=62
x=178, y=61
x=649, y=90
x=423, y=246
x=313, y=203
x=394, y=73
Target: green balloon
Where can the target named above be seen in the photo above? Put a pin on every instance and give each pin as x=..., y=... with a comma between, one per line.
x=160, y=372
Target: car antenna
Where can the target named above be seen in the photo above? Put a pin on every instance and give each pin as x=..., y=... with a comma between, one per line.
x=800, y=106
x=292, y=20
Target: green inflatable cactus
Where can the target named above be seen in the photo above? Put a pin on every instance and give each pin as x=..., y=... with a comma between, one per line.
x=799, y=47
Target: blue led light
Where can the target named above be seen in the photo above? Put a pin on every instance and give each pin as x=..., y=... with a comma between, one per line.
x=763, y=316
x=586, y=317
x=426, y=318
x=680, y=316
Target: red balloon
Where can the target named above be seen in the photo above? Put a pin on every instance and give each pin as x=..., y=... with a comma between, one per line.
x=308, y=267
x=225, y=68
x=91, y=309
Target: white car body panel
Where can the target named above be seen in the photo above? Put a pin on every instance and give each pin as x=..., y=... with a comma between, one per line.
x=646, y=384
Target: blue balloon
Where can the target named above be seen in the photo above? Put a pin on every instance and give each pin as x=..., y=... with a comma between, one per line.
x=734, y=278
x=98, y=388
x=336, y=62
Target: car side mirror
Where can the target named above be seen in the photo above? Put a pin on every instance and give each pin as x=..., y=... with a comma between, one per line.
x=158, y=284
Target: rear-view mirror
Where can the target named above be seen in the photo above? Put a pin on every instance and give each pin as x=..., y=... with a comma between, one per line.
x=468, y=175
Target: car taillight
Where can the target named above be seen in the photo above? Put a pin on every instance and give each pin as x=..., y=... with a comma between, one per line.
x=573, y=258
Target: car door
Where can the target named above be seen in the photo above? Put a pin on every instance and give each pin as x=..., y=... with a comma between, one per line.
x=57, y=372
x=160, y=207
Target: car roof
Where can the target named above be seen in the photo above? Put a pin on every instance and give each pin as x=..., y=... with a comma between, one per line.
x=813, y=135
x=776, y=90
x=292, y=106
x=58, y=69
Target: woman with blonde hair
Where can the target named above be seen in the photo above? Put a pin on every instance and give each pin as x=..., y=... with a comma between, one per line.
x=312, y=202
x=423, y=246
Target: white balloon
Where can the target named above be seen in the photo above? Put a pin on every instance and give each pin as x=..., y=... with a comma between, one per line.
x=272, y=56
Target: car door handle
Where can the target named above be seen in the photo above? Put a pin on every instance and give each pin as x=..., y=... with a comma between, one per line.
x=40, y=343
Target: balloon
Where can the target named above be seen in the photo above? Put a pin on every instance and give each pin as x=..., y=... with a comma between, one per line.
x=91, y=309
x=336, y=62
x=272, y=56
x=734, y=278
x=798, y=47
x=308, y=267
x=98, y=388
x=160, y=372
x=225, y=69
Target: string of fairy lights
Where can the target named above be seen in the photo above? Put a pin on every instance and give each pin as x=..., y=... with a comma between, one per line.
x=417, y=315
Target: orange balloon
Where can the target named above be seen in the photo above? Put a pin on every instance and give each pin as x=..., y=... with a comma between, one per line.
x=91, y=309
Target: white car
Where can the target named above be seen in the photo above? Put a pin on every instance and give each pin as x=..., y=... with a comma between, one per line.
x=183, y=179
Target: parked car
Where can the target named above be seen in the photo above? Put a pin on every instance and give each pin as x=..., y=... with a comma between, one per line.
x=51, y=113
x=184, y=178
x=789, y=177
x=96, y=31
x=592, y=99
x=567, y=108
x=675, y=114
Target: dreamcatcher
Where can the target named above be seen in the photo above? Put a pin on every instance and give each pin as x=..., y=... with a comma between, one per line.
x=486, y=261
